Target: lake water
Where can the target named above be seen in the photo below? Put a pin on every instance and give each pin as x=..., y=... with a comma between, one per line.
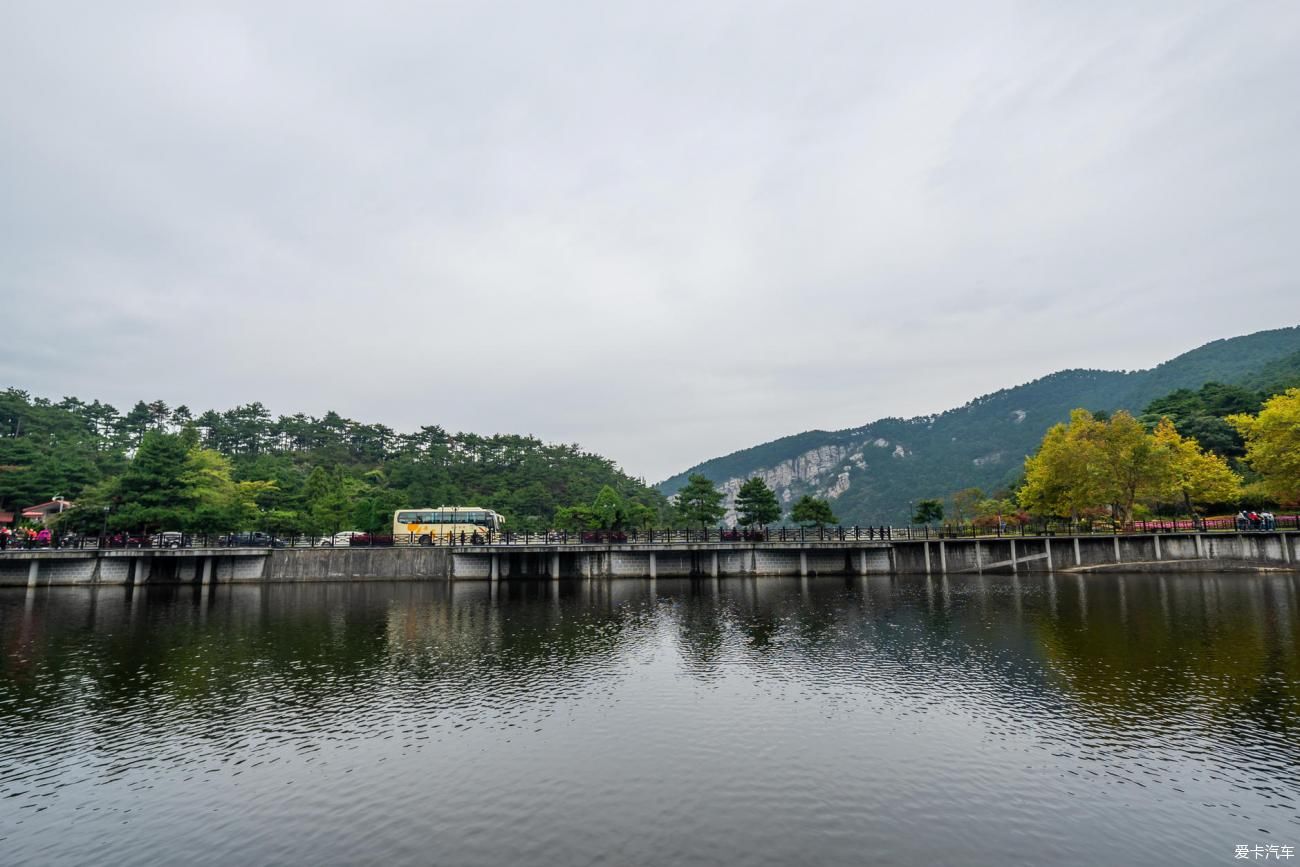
x=1105, y=719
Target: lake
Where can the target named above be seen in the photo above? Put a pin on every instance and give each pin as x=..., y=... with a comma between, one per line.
x=1099, y=719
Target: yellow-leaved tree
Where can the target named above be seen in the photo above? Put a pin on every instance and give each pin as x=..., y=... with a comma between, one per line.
x=1273, y=444
x=1136, y=469
x=1192, y=474
x=1090, y=464
x=1067, y=475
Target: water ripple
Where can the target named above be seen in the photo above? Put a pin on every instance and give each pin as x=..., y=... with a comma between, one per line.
x=976, y=720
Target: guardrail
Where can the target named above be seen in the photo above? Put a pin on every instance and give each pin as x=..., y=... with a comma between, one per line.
x=669, y=536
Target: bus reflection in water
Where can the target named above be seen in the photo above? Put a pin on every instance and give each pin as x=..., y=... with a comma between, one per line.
x=444, y=525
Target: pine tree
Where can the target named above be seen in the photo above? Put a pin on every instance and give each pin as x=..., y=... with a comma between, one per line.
x=756, y=503
x=928, y=512
x=699, y=502
x=810, y=511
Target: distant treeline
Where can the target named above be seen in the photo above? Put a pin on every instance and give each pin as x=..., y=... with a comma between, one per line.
x=162, y=466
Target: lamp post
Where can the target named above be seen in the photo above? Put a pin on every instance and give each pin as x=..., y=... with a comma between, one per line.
x=104, y=534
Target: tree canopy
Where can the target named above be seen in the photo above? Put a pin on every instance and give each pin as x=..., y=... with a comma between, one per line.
x=1091, y=465
x=810, y=511
x=300, y=473
x=756, y=504
x=699, y=502
x=928, y=512
x=1273, y=444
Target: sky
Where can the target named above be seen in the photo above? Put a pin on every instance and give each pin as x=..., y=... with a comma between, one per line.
x=664, y=230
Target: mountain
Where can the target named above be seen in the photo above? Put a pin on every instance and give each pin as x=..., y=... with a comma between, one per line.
x=872, y=473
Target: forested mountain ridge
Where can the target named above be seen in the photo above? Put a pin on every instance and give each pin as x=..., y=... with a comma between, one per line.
x=327, y=472
x=873, y=472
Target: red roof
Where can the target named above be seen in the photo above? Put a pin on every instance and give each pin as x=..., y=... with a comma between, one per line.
x=6, y=517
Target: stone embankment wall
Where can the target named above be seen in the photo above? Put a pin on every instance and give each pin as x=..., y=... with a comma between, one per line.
x=1204, y=552
x=356, y=564
x=72, y=567
x=1186, y=551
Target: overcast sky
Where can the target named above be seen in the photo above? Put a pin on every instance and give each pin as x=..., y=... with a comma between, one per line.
x=664, y=230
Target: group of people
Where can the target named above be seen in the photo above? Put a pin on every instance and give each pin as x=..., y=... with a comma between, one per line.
x=25, y=537
x=1252, y=520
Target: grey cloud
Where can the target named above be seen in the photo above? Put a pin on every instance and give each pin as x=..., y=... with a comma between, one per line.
x=665, y=231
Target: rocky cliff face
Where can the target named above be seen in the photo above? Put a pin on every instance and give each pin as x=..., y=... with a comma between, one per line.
x=825, y=472
x=875, y=473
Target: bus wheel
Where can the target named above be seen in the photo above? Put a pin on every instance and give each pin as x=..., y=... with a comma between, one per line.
x=426, y=541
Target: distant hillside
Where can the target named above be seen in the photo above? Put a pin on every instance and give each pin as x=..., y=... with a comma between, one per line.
x=331, y=473
x=872, y=472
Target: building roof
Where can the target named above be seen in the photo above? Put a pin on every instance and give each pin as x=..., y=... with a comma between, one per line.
x=48, y=506
x=6, y=517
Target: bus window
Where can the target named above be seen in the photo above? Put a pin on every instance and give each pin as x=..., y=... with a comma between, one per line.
x=408, y=517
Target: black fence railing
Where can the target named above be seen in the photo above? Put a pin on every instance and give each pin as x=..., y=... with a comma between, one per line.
x=870, y=533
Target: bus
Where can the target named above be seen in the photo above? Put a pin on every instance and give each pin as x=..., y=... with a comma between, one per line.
x=444, y=524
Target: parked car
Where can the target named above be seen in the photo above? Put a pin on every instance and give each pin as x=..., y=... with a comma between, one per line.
x=603, y=536
x=344, y=539
x=129, y=540
x=252, y=540
x=171, y=539
x=371, y=539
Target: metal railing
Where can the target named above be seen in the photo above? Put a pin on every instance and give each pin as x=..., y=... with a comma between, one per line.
x=870, y=533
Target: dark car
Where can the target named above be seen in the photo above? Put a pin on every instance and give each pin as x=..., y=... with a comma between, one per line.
x=359, y=540
x=129, y=540
x=602, y=537
x=252, y=540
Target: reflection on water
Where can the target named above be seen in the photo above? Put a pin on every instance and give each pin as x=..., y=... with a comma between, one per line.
x=964, y=720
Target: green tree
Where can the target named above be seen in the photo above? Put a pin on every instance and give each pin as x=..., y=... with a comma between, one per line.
x=579, y=517
x=965, y=503
x=152, y=493
x=608, y=509
x=328, y=500
x=928, y=512
x=756, y=503
x=699, y=502
x=810, y=511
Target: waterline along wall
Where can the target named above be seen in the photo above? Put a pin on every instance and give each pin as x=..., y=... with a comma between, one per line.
x=1207, y=552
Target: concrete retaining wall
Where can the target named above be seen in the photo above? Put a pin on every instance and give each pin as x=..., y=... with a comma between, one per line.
x=1228, y=551
x=355, y=564
x=1032, y=554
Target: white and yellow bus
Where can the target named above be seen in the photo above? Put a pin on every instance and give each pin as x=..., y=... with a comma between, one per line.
x=444, y=524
